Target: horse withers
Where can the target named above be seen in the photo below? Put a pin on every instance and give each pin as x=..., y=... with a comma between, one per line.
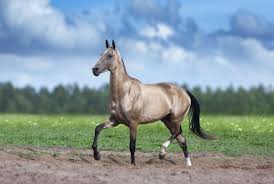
x=133, y=103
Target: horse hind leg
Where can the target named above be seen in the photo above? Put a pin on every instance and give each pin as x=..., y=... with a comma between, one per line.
x=174, y=133
x=182, y=142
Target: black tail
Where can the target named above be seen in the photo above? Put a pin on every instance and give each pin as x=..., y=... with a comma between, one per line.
x=194, y=119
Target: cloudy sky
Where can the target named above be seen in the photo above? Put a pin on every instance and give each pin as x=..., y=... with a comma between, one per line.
x=216, y=43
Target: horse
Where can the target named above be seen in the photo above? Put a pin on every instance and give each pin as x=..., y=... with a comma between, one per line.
x=133, y=103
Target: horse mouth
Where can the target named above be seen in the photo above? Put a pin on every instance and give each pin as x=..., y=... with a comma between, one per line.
x=96, y=74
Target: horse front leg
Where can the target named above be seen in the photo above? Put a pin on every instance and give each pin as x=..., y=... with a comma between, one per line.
x=132, y=144
x=98, y=129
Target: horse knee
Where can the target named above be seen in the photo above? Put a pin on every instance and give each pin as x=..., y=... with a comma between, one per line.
x=98, y=129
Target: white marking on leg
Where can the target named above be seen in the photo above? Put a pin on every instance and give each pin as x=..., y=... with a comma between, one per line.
x=164, y=147
x=166, y=144
x=188, y=161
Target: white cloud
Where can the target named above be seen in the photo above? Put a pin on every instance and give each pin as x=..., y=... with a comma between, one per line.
x=253, y=65
x=24, y=79
x=173, y=64
x=148, y=32
x=177, y=54
x=37, y=64
x=233, y=60
x=249, y=52
x=221, y=60
x=168, y=53
x=139, y=46
x=33, y=63
x=161, y=30
x=37, y=20
x=142, y=47
x=257, y=51
x=136, y=66
x=49, y=71
x=164, y=31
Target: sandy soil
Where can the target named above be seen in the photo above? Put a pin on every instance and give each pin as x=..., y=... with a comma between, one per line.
x=61, y=165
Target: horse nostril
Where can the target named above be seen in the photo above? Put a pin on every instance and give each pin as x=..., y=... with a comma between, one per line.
x=95, y=70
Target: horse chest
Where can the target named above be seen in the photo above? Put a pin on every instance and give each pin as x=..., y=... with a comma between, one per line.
x=115, y=110
x=113, y=107
x=118, y=111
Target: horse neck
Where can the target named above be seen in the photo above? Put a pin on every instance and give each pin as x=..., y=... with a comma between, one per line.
x=117, y=78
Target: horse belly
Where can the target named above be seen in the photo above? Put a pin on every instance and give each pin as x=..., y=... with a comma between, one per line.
x=155, y=108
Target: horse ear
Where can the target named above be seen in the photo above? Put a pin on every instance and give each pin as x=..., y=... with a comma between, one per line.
x=107, y=45
x=113, y=44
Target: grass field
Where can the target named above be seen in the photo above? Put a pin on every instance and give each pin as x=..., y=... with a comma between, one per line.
x=237, y=135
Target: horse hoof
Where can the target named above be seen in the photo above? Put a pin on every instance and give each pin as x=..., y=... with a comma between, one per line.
x=161, y=157
x=97, y=156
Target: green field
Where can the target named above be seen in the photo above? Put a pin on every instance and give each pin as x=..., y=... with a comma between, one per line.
x=236, y=135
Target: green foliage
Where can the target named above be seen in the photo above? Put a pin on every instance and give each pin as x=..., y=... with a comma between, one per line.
x=62, y=99
x=236, y=135
x=256, y=100
x=72, y=99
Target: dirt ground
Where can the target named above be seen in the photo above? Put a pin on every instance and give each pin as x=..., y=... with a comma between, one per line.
x=63, y=165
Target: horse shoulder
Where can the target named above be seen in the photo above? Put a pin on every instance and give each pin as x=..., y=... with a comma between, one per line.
x=130, y=95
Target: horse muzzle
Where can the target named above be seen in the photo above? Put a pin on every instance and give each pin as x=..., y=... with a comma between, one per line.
x=95, y=71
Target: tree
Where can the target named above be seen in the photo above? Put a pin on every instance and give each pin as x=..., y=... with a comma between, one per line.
x=73, y=99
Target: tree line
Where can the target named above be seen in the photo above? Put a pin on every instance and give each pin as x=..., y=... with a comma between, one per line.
x=85, y=100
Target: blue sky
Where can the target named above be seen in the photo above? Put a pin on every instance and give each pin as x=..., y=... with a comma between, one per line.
x=216, y=43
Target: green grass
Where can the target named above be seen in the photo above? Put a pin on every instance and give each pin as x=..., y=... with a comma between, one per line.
x=237, y=135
